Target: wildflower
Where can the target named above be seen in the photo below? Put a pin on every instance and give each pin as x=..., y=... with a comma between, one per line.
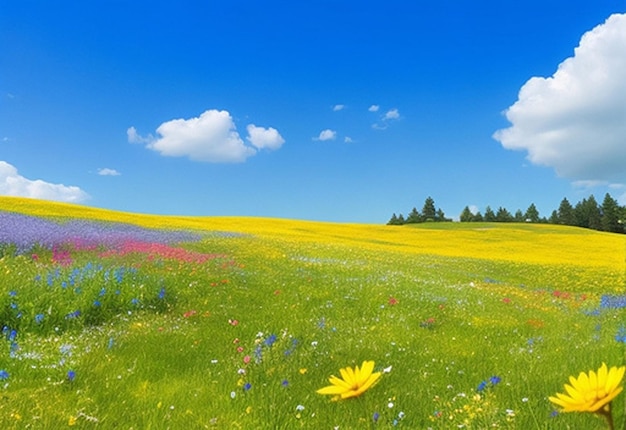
x=71, y=375
x=270, y=340
x=354, y=383
x=482, y=386
x=592, y=392
x=4, y=374
x=39, y=318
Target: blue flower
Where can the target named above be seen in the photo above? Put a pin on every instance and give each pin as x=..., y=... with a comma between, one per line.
x=39, y=318
x=71, y=375
x=495, y=380
x=375, y=417
x=247, y=386
x=162, y=293
x=4, y=374
x=270, y=340
x=482, y=386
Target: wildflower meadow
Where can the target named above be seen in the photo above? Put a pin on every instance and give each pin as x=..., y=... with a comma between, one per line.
x=114, y=320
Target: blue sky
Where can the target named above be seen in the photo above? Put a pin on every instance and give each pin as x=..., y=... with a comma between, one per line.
x=339, y=110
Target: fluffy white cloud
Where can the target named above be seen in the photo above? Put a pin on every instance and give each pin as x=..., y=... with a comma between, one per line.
x=211, y=137
x=13, y=184
x=575, y=120
x=261, y=137
x=327, y=135
x=391, y=114
x=338, y=107
x=108, y=172
x=374, y=108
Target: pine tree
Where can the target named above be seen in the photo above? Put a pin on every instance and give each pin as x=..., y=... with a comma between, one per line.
x=466, y=215
x=429, y=212
x=503, y=215
x=532, y=214
x=490, y=216
x=565, y=214
x=413, y=217
x=610, y=220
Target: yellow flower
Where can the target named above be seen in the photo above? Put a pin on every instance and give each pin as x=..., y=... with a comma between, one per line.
x=354, y=383
x=591, y=392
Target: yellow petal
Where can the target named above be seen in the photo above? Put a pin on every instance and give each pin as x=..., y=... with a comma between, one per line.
x=339, y=382
x=331, y=389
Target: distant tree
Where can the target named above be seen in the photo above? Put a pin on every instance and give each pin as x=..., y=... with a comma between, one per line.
x=429, y=212
x=532, y=214
x=565, y=213
x=401, y=219
x=478, y=217
x=441, y=216
x=554, y=218
x=394, y=220
x=519, y=216
x=413, y=217
x=490, y=216
x=466, y=215
x=587, y=214
x=503, y=215
x=610, y=219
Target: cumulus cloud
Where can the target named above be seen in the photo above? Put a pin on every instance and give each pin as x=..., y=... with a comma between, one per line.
x=108, y=172
x=212, y=137
x=575, y=120
x=391, y=114
x=339, y=107
x=373, y=108
x=261, y=137
x=327, y=135
x=13, y=184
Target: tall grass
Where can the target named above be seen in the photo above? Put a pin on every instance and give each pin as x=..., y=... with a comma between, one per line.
x=473, y=326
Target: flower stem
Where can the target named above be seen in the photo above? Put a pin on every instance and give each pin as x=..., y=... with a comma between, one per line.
x=608, y=415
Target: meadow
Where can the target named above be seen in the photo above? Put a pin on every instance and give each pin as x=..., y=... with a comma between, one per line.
x=115, y=320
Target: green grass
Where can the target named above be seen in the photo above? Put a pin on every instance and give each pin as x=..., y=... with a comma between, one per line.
x=301, y=310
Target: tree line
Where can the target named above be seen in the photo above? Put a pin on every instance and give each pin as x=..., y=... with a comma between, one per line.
x=588, y=213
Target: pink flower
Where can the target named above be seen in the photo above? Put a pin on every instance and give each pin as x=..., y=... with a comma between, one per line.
x=246, y=359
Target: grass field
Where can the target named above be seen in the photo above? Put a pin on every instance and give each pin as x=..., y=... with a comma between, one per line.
x=116, y=320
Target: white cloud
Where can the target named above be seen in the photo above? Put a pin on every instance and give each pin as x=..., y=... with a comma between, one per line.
x=374, y=108
x=327, y=135
x=348, y=139
x=261, y=137
x=211, y=137
x=575, y=121
x=108, y=172
x=134, y=137
x=337, y=108
x=391, y=114
x=13, y=184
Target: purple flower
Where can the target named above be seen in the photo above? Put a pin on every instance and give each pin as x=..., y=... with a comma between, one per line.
x=375, y=417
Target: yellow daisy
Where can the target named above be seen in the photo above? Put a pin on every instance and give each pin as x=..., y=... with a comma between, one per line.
x=354, y=383
x=591, y=392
